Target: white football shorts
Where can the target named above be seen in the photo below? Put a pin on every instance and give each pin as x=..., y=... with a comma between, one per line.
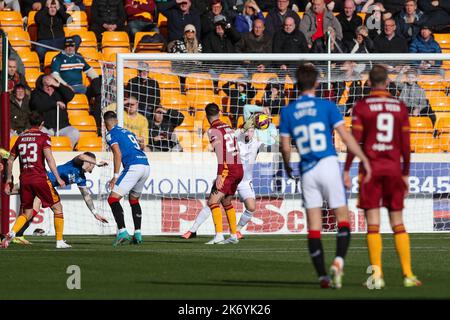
x=324, y=182
x=245, y=190
x=132, y=180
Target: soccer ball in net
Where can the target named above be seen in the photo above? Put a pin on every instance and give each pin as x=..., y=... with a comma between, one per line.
x=262, y=121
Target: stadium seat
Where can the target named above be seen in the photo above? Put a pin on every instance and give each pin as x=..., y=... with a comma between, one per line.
x=160, y=65
x=189, y=141
x=88, y=39
x=206, y=125
x=79, y=20
x=116, y=39
x=30, y=60
x=421, y=124
x=443, y=39
x=348, y=122
x=146, y=47
x=227, y=77
x=442, y=115
x=11, y=19
x=444, y=142
x=198, y=99
x=199, y=81
x=276, y=120
x=188, y=123
x=174, y=99
x=432, y=82
x=166, y=81
x=89, y=144
x=32, y=75
x=441, y=103
x=77, y=113
x=79, y=102
x=240, y=121
x=31, y=25
x=424, y=143
x=162, y=25
x=109, y=53
x=12, y=140
x=49, y=55
x=83, y=123
x=261, y=79
x=443, y=125
x=128, y=74
x=19, y=39
x=61, y=143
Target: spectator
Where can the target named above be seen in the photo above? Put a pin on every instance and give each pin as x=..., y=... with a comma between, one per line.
x=140, y=15
x=393, y=6
x=244, y=21
x=20, y=110
x=233, y=8
x=274, y=98
x=134, y=121
x=288, y=40
x=409, y=20
x=316, y=22
x=331, y=5
x=348, y=89
x=179, y=13
x=276, y=17
x=75, y=5
x=239, y=93
x=67, y=68
x=145, y=89
x=413, y=95
x=389, y=41
x=49, y=96
x=162, y=126
x=349, y=21
x=438, y=12
x=14, y=77
x=374, y=21
x=223, y=39
x=50, y=23
x=189, y=43
x=362, y=42
x=425, y=43
x=29, y=5
x=107, y=15
x=255, y=42
x=207, y=19
x=12, y=5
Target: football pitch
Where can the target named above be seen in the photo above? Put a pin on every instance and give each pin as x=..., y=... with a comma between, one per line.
x=259, y=267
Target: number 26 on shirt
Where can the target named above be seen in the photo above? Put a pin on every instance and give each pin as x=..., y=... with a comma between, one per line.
x=313, y=133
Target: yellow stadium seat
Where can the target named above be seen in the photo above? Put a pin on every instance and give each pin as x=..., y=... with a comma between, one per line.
x=441, y=103
x=83, y=123
x=88, y=3
x=129, y=74
x=12, y=140
x=200, y=115
x=261, y=79
x=146, y=47
x=90, y=134
x=166, y=81
x=432, y=82
x=31, y=25
x=276, y=120
x=223, y=118
x=88, y=39
x=443, y=39
x=227, y=77
x=11, y=19
x=61, y=143
x=109, y=53
x=79, y=102
x=174, y=99
x=444, y=142
x=77, y=113
x=115, y=39
x=443, y=125
x=362, y=15
x=442, y=115
x=89, y=52
x=425, y=144
x=189, y=140
x=30, y=60
x=199, y=81
x=20, y=38
x=79, y=20
x=348, y=122
x=162, y=25
x=198, y=99
x=240, y=121
x=89, y=144
x=188, y=122
x=49, y=55
x=160, y=66
x=421, y=124
x=32, y=75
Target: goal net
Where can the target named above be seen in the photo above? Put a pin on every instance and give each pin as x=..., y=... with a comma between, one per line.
x=168, y=93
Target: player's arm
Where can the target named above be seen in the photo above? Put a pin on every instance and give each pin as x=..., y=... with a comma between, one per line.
x=90, y=203
x=85, y=158
x=117, y=160
x=9, y=168
x=52, y=165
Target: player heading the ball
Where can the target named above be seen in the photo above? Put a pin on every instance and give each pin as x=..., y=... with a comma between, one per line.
x=380, y=123
x=310, y=121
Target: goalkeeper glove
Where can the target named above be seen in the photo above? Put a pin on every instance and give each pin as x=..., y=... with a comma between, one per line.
x=4, y=154
x=250, y=123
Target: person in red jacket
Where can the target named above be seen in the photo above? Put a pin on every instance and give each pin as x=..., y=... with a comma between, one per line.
x=140, y=16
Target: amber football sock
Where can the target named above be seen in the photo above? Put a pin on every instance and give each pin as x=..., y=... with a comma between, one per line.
x=217, y=217
x=403, y=249
x=231, y=215
x=59, y=225
x=375, y=246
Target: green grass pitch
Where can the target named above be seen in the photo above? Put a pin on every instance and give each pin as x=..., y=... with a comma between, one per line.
x=259, y=267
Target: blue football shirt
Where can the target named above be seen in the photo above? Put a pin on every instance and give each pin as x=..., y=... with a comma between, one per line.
x=71, y=172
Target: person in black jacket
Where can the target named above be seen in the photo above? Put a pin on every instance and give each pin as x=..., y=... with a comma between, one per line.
x=107, y=15
x=349, y=21
x=146, y=90
x=20, y=110
x=164, y=122
x=50, y=23
x=274, y=98
x=276, y=17
x=438, y=12
x=47, y=98
x=240, y=93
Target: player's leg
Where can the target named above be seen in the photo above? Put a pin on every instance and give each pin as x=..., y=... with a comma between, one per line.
x=135, y=194
x=247, y=195
x=231, y=216
x=20, y=239
x=393, y=198
x=375, y=245
x=199, y=220
x=214, y=200
x=58, y=217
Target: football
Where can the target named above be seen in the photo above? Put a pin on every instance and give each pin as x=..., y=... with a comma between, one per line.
x=262, y=121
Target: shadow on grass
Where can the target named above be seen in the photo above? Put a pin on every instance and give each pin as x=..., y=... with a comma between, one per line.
x=236, y=283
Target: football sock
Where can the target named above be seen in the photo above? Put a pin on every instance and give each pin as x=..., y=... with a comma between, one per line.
x=201, y=217
x=245, y=218
x=343, y=239
x=217, y=217
x=59, y=225
x=403, y=249
x=231, y=215
x=20, y=222
x=117, y=211
x=316, y=252
x=26, y=225
x=136, y=212
x=375, y=246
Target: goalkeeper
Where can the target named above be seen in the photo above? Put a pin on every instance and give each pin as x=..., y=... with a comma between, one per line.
x=71, y=172
x=249, y=145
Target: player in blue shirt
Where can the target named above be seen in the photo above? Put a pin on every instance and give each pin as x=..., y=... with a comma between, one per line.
x=72, y=172
x=127, y=150
x=310, y=122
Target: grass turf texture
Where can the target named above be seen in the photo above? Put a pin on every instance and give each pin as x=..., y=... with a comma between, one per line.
x=259, y=267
